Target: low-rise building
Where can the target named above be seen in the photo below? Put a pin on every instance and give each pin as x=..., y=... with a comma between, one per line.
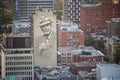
x=108, y=72
x=69, y=34
x=76, y=67
x=86, y=54
x=112, y=44
x=64, y=55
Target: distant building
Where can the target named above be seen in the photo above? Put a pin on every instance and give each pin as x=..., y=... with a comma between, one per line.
x=108, y=72
x=72, y=10
x=113, y=27
x=17, y=56
x=69, y=34
x=113, y=34
x=64, y=55
x=112, y=44
x=96, y=22
x=86, y=54
x=24, y=8
x=58, y=4
x=21, y=26
x=76, y=67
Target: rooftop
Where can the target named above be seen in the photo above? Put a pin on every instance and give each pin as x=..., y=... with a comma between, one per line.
x=90, y=5
x=87, y=64
x=18, y=35
x=107, y=66
x=86, y=52
x=69, y=26
x=109, y=71
x=64, y=49
x=87, y=74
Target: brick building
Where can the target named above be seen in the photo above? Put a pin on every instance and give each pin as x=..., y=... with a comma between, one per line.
x=82, y=66
x=86, y=55
x=94, y=16
x=69, y=35
x=113, y=34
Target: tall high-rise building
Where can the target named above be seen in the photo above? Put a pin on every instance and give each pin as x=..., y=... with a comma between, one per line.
x=17, y=56
x=24, y=8
x=72, y=9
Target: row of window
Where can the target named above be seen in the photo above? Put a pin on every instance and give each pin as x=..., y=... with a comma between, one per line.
x=18, y=73
x=15, y=52
x=19, y=58
x=18, y=68
x=19, y=63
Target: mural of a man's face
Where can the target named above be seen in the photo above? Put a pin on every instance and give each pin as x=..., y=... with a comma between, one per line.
x=46, y=29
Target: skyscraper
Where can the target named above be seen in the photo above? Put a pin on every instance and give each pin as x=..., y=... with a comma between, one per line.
x=24, y=8
x=72, y=9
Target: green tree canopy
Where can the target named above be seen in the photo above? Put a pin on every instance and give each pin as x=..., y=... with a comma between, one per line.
x=116, y=55
x=100, y=1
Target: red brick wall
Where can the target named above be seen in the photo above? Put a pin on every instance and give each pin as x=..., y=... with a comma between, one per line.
x=78, y=58
x=94, y=18
x=65, y=37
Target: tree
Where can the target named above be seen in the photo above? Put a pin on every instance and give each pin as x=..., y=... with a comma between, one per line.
x=59, y=14
x=89, y=41
x=7, y=16
x=116, y=55
x=100, y=1
x=99, y=44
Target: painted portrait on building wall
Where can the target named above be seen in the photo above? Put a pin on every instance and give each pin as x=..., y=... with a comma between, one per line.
x=46, y=40
x=45, y=45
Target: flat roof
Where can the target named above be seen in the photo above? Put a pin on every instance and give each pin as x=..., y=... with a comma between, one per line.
x=18, y=35
x=87, y=74
x=90, y=5
x=106, y=66
x=84, y=52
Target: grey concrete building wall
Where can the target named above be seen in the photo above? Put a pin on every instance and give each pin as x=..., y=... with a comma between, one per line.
x=17, y=60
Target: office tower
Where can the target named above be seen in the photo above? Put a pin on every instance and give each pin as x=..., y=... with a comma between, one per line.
x=72, y=9
x=45, y=4
x=24, y=8
x=17, y=56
